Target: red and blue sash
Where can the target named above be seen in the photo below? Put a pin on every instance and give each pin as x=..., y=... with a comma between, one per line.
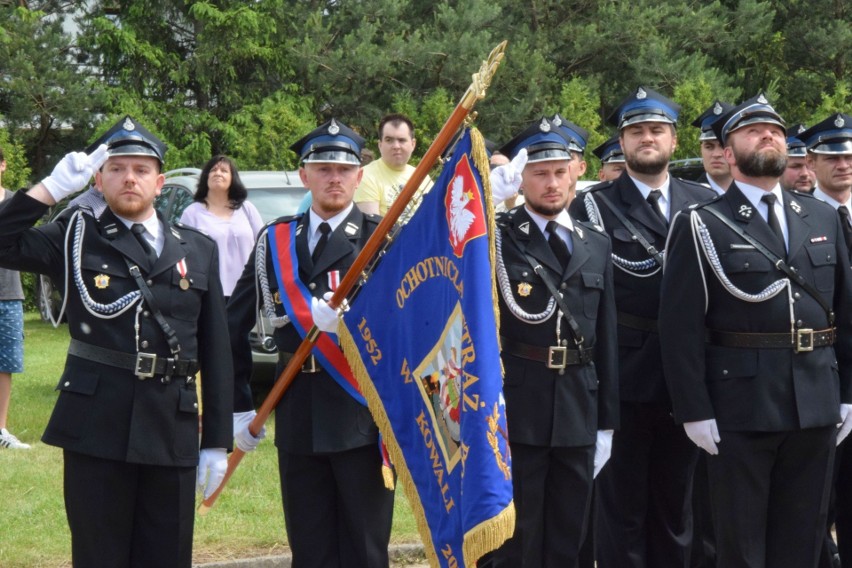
x=296, y=299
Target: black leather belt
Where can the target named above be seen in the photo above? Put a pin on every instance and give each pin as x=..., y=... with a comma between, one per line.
x=311, y=365
x=802, y=341
x=636, y=322
x=144, y=365
x=556, y=357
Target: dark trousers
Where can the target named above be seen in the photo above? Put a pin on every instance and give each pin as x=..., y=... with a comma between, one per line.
x=644, y=493
x=769, y=493
x=839, y=511
x=337, y=510
x=552, y=490
x=128, y=515
x=703, y=539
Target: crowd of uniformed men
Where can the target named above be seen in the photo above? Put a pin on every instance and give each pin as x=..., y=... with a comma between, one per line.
x=677, y=354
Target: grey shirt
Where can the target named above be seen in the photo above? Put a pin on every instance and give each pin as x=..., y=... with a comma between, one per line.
x=10, y=280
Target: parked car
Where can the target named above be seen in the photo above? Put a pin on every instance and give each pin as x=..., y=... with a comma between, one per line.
x=690, y=168
x=274, y=193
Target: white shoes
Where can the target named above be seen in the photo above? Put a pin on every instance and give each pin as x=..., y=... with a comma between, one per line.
x=8, y=440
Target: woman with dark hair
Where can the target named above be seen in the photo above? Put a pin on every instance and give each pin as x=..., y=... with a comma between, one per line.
x=221, y=210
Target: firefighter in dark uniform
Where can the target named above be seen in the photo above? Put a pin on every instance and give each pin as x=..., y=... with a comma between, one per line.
x=644, y=513
x=756, y=333
x=829, y=152
x=558, y=349
x=143, y=319
x=336, y=506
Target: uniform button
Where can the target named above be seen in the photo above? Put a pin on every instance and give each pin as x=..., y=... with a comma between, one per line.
x=563, y=285
x=724, y=371
x=312, y=286
x=195, y=405
x=149, y=282
x=797, y=295
x=104, y=266
x=525, y=273
x=67, y=383
x=144, y=344
x=746, y=265
x=146, y=313
x=799, y=323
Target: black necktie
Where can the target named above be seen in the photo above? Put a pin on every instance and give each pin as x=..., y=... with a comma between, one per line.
x=772, y=218
x=847, y=225
x=138, y=230
x=557, y=245
x=325, y=229
x=654, y=200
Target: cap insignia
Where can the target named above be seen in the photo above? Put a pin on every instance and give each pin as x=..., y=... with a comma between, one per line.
x=128, y=124
x=557, y=121
x=544, y=126
x=801, y=129
x=333, y=129
x=839, y=122
x=717, y=108
x=641, y=94
x=762, y=100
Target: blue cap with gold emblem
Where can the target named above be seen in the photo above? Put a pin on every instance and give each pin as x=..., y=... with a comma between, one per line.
x=795, y=147
x=644, y=105
x=543, y=140
x=576, y=136
x=129, y=138
x=331, y=143
x=708, y=117
x=831, y=136
x=610, y=151
x=755, y=110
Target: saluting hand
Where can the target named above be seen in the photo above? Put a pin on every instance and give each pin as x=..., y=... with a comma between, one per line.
x=506, y=179
x=705, y=434
x=73, y=172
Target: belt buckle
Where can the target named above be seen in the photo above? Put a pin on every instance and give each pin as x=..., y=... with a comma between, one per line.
x=557, y=357
x=145, y=365
x=310, y=365
x=804, y=340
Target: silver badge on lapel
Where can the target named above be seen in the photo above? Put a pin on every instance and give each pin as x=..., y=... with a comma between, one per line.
x=175, y=233
x=746, y=211
x=525, y=228
x=111, y=229
x=579, y=232
x=794, y=205
x=299, y=229
x=350, y=229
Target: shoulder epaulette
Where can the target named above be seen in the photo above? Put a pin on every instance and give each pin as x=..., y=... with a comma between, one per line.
x=588, y=224
x=703, y=203
x=184, y=227
x=598, y=186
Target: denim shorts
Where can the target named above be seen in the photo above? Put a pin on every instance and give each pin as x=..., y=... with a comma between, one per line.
x=11, y=336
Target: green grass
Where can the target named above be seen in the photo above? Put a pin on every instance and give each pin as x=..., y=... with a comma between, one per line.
x=246, y=521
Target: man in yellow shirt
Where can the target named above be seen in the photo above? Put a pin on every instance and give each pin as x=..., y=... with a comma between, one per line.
x=385, y=178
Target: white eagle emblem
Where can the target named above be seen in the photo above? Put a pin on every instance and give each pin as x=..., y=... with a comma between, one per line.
x=461, y=218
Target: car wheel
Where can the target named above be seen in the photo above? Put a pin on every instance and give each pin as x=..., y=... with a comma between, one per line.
x=48, y=298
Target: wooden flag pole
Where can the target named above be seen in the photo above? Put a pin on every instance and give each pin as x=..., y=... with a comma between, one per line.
x=475, y=92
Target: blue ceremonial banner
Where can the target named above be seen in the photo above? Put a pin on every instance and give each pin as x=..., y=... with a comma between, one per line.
x=421, y=338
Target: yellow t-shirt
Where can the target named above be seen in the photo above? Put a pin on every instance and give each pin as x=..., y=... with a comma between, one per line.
x=383, y=184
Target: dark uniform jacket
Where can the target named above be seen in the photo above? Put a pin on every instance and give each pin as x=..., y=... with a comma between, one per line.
x=545, y=408
x=757, y=389
x=316, y=415
x=639, y=349
x=107, y=412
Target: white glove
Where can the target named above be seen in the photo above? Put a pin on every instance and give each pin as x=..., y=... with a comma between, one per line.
x=705, y=434
x=73, y=172
x=603, y=449
x=506, y=179
x=242, y=437
x=212, y=465
x=845, y=422
x=324, y=317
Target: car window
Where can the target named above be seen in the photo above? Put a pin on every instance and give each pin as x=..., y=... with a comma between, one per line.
x=274, y=202
x=162, y=202
x=183, y=197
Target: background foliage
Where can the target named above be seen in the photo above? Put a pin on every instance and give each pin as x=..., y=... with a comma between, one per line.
x=249, y=78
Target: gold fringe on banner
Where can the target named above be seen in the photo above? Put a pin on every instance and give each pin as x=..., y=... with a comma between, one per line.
x=489, y=535
x=377, y=409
